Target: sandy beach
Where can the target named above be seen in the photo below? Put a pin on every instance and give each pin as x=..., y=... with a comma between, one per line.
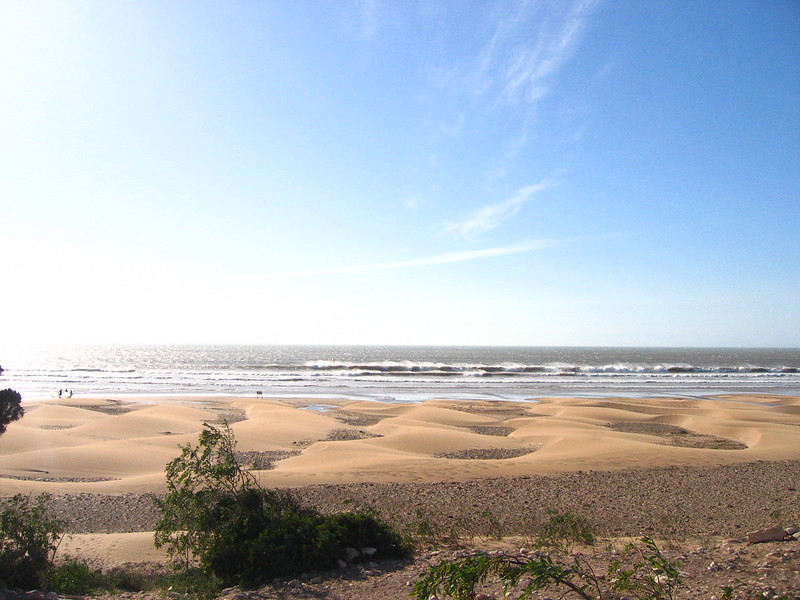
x=121, y=445
x=665, y=466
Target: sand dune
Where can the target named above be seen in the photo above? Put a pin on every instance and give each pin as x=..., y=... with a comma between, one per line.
x=111, y=549
x=122, y=445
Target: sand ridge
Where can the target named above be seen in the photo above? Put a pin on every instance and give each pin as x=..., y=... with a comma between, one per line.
x=121, y=445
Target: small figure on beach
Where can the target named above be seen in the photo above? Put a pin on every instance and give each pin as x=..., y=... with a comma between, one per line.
x=259, y=394
x=60, y=393
x=70, y=393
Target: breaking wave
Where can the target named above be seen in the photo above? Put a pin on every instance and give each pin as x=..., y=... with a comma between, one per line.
x=400, y=372
x=408, y=367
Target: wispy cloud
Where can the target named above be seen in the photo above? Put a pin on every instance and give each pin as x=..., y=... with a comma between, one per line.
x=370, y=19
x=493, y=215
x=439, y=259
x=526, y=67
x=412, y=202
x=519, y=62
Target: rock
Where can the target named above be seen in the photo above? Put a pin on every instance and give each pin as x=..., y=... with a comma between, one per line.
x=350, y=554
x=796, y=536
x=341, y=564
x=484, y=597
x=368, y=551
x=773, y=534
x=792, y=530
x=731, y=541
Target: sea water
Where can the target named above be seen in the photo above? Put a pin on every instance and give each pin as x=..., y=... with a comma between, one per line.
x=396, y=373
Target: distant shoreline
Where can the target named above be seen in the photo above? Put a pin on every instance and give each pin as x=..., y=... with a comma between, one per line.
x=154, y=397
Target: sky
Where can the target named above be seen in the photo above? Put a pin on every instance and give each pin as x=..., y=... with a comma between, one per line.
x=543, y=173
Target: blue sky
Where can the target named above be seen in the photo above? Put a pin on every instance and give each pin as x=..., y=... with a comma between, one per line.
x=523, y=173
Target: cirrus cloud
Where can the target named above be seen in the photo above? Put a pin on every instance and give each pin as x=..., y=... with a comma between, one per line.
x=438, y=259
x=493, y=215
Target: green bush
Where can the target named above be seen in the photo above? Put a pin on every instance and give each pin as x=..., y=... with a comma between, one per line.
x=649, y=574
x=75, y=576
x=189, y=583
x=215, y=515
x=72, y=576
x=644, y=572
x=563, y=531
x=10, y=408
x=459, y=578
x=29, y=538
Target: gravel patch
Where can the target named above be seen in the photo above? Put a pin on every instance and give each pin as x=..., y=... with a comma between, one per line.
x=47, y=479
x=698, y=514
x=666, y=501
x=497, y=430
x=228, y=416
x=489, y=408
x=678, y=436
x=344, y=435
x=265, y=460
x=487, y=453
x=358, y=419
x=669, y=501
x=114, y=407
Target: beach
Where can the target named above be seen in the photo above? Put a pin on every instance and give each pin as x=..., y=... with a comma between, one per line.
x=121, y=445
x=712, y=467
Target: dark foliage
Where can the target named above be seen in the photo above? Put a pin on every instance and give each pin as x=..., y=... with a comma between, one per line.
x=28, y=539
x=216, y=514
x=10, y=409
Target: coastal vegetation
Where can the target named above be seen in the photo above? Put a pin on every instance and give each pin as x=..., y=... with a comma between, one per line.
x=642, y=570
x=565, y=559
x=29, y=537
x=10, y=408
x=217, y=518
x=217, y=524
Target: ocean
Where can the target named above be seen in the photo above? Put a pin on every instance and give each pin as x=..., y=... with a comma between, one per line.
x=401, y=373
